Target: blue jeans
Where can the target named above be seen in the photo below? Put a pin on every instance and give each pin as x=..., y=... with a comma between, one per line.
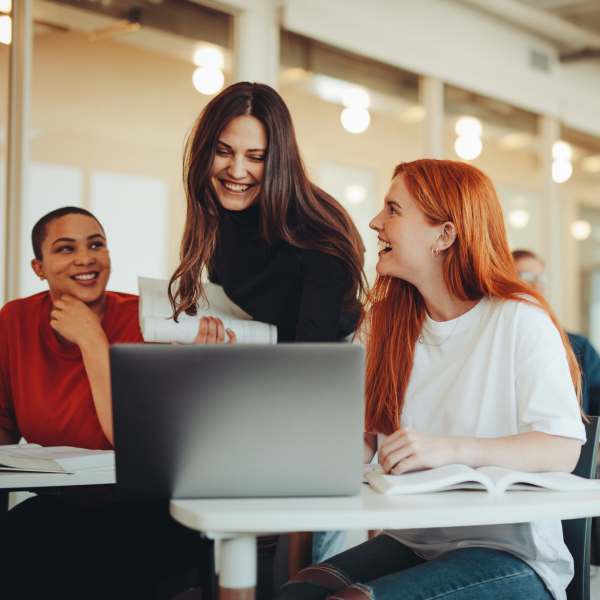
x=384, y=569
x=326, y=543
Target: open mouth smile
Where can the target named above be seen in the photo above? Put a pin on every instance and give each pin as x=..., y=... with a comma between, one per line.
x=236, y=188
x=384, y=246
x=86, y=278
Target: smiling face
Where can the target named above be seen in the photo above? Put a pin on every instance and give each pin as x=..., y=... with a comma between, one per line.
x=75, y=259
x=406, y=236
x=238, y=167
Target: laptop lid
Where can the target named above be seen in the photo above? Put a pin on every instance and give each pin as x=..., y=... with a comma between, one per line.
x=238, y=421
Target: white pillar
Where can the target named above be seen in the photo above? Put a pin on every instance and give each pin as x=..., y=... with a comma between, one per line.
x=552, y=223
x=256, y=43
x=431, y=93
x=17, y=154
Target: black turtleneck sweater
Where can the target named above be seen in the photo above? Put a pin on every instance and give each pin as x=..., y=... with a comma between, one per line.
x=299, y=291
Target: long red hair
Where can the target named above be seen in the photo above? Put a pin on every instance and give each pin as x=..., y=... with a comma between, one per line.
x=477, y=264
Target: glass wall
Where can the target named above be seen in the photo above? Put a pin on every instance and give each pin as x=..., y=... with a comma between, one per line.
x=355, y=120
x=502, y=141
x=112, y=100
x=5, y=39
x=582, y=201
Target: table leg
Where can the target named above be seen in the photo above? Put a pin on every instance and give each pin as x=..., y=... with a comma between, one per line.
x=237, y=577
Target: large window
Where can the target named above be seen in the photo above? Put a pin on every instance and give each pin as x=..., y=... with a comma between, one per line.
x=355, y=120
x=5, y=39
x=502, y=141
x=112, y=100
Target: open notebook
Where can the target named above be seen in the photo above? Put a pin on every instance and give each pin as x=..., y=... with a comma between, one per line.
x=158, y=326
x=33, y=458
x=495, y=480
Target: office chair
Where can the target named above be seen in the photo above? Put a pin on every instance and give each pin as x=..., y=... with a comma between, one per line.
x=578, y=532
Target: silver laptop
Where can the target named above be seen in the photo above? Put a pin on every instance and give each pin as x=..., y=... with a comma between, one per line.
x=238, y=421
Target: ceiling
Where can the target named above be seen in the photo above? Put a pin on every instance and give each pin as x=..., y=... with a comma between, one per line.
x=583, y=13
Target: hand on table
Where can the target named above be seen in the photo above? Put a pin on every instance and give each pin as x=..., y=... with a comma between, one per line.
x=76, y=322
x=212, y=331
x=406, y=450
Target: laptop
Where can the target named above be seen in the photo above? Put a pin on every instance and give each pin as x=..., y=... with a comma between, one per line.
x=238, y=421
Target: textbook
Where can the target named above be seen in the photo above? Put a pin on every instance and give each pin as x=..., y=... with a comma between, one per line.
x=54, y=459
x=157, y=325
x=495, y=480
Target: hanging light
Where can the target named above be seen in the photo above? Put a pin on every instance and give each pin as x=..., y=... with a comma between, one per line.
x=355, y=120
x=209, y=56
x=468, y=127
x=581, y=229
x=5, y=29
x=518, y=218
x=355, y=194
x=356, y=97
x=208, y=80
x=562, y=168
x=468, y=144
x=355, y=117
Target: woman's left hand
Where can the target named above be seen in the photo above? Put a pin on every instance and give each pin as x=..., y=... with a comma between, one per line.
x=406, y=450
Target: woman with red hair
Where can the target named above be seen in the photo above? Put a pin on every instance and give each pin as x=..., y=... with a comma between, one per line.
x=466, y=364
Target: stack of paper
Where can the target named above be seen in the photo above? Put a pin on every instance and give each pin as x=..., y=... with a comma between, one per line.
x=54, y=459
x=157, y=324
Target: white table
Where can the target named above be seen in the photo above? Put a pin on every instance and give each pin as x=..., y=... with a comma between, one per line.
x=12, y=481
x=237, y=522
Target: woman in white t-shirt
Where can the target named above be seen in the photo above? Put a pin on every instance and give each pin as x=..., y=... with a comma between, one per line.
x=465, y=364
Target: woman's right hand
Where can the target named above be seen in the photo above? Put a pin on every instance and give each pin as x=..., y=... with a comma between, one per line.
x=212, y=331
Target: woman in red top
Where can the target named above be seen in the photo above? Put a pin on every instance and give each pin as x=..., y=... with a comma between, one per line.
x=54, y=385
x=55, y=390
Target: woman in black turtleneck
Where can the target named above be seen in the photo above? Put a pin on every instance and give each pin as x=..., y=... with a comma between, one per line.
x=300, y=291
x=283, y=250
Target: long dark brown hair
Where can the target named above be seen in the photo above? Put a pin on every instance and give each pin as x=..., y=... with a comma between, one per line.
x=292, y=209
x=477, y=265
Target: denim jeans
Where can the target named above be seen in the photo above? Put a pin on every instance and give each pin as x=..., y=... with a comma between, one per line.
x=326, y=544
x=384, y=569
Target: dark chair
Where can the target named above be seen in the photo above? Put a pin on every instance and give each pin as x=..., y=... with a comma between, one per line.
x=578, y=532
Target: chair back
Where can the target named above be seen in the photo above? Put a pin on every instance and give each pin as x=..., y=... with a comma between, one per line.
x=577, y=532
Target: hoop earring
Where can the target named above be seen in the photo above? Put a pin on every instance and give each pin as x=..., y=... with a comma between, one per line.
x=435, y=252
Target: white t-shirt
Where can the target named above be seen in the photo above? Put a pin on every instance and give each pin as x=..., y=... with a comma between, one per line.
x=498, y=370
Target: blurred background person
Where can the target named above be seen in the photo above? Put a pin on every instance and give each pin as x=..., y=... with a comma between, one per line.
x=531, y=268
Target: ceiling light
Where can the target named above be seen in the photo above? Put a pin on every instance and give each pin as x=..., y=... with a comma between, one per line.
x=468, y=127
x=581, y=230
x=355, y=194
x=561, y=151
x=355, y=120
x=561, y=171
x=5, y=29
x=468, y=148
x=209, y=56
x=356, y=97
x=518, y=218
x=208, y=80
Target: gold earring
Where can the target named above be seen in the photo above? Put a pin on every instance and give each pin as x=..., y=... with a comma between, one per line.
x=435, y=252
